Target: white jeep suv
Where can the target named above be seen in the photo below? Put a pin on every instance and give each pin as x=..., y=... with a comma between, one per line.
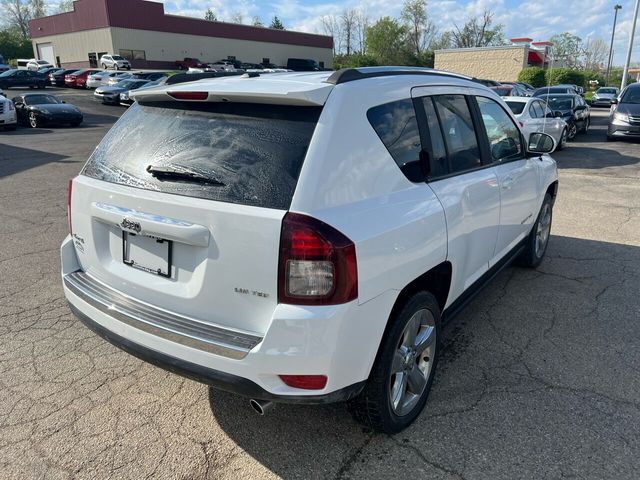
x=302, y=237
x=114, y=61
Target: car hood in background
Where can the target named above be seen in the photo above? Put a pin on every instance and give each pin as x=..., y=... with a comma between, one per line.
x=629, y=108
x=56, y=108
x=111, y=90
x=607, y=96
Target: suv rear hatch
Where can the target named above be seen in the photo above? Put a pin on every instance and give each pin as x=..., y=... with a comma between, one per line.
x=181, y=206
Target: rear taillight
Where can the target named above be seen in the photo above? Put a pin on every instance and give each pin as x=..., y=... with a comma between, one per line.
x=317, y=264
x=69, y=190
x=189, y=95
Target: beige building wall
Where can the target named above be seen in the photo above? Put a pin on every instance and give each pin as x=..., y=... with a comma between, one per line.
x=161, y=46
x=493, y=63
x=73, y=48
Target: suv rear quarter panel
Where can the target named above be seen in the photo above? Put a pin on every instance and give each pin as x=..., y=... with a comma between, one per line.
x=350, y=181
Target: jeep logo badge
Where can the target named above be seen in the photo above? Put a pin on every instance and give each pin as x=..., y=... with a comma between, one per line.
x=131, y=225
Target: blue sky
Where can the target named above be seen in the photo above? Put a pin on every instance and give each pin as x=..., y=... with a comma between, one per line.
x=536, y=19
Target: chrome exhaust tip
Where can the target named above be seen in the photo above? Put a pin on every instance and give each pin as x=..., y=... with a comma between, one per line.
x=261, y=406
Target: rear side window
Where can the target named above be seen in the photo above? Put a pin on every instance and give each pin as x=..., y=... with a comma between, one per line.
x=250, y=154
x=459, y=134
x=396, y=125
x=516, y=107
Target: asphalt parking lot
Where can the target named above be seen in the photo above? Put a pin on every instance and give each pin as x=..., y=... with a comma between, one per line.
x=538, y=379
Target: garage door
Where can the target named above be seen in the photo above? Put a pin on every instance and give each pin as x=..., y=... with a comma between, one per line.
x=45, y=52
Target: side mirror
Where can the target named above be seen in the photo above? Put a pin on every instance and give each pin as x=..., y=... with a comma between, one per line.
x=557, y=114
x=540, y=143
x=614, y=101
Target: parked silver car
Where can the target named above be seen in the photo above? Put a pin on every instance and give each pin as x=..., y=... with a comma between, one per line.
x=604, y=96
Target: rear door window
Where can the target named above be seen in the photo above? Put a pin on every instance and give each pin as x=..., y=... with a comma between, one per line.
x=239, y=153
x=396, y=125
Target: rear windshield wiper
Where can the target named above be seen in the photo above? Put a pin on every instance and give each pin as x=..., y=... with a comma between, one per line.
x=177, y=173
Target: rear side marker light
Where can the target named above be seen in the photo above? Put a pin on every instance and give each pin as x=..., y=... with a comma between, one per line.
x=305, y=382
x=189, y=95
x=317, y=264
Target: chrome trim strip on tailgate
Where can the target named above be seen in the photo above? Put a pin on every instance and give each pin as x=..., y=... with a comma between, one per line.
x=186, y=331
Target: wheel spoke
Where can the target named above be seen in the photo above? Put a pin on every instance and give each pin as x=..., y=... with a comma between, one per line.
x=411, y=331
x=398, y=362
x=416, y=381
x=425, y=339
x=398, y=390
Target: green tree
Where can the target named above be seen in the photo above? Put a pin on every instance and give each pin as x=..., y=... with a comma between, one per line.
x=13, y=45
x=210, y=16
x=533, y=76
x=354, y=60
x=420, y=29
x=478, y=32
x=257, y=22
x=276, y=23
x=386, y=41
x=557, y=76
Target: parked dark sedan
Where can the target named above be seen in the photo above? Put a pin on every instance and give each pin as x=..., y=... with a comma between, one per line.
x=38, y=109
x=572, y=108
x=21, y=78
x=111, y=95
x=151, y=76
x=624, y=119
x=56, y=79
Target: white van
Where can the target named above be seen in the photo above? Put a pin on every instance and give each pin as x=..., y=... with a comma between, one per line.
x=22, y=63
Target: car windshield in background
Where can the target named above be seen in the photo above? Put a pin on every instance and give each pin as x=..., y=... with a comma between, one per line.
x=632, y=95
x=516, y=107
x=130, y=84
x=611, y=91
x=251, y=153
x=41, y=100
x=503, y=92
x=559, y=103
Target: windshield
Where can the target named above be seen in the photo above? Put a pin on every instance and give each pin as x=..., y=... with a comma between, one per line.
x=611, y=91
x=256, y=151
x=42, y=62
x=40, y=99
x=516, y=107
x=560, y=103
x=632, y=95
x=117, y=57
x=129, y=84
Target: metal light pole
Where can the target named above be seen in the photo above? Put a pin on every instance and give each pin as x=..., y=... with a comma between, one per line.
x=632, y=34
x=613, y=33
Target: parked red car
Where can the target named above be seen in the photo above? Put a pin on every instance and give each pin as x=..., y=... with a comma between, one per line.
x=78, y=79
x=188, y=62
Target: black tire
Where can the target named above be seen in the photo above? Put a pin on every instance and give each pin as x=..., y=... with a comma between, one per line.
x=533, y=253
x=104, y=67
x=563, y=140
x=373, y=407
x=585, y=128
x=610, y=138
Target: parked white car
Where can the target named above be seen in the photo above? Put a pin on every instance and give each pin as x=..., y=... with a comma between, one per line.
x=114, y=61
x=98, y=79
x=117, y=77
x=304, y=240
x=8, y=119
x=534, y=115
x=35, y=65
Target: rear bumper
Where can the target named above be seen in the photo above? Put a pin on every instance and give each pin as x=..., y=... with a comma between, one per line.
x=338, y=341
x=214, y=378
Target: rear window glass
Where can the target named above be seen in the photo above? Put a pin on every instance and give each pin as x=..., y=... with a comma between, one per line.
x=396, y=125
x=516, y=107
x=252, y=154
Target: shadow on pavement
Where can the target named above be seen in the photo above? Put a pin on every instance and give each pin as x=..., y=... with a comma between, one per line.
x=480, y=378
x=17, y=159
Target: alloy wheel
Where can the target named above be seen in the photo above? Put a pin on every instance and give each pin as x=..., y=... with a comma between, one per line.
x=412, y=362
x=572, y=131
x=543, y=229
x=33, y=120
x=563, y=138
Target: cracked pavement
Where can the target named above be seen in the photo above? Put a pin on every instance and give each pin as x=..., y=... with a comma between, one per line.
x=538, y=376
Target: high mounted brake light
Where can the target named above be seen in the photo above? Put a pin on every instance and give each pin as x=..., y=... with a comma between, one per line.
x=317, y=264
x=189, y=95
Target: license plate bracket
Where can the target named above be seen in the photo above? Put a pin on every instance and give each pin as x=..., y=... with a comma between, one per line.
x=149, y=254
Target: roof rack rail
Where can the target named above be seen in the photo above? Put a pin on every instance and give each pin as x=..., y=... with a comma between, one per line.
x=345, y=75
